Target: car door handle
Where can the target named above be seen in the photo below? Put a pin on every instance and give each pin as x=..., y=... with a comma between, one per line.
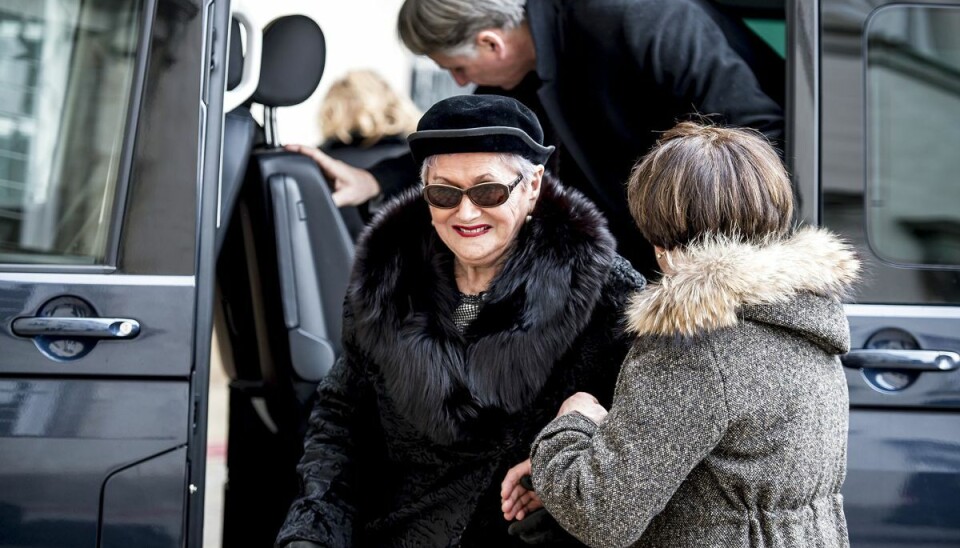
x=903, y=360
x=67, y=327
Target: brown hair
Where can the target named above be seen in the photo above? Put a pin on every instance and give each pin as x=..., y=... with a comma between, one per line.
x=362, y=105
x=704, y=180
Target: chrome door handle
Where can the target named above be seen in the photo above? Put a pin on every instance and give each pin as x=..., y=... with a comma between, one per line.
x=903, y=360
x=67, y=327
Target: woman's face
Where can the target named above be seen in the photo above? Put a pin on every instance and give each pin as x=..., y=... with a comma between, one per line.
x=480, y=237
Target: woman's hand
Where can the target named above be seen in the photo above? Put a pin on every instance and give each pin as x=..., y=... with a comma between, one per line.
x=517, y=501
x=586, y=404
x=351, y=186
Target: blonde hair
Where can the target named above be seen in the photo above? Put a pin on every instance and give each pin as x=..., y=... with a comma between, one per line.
x=362, y=104
x=702, y=180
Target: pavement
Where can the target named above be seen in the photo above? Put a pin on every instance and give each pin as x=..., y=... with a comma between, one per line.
x=216, y=452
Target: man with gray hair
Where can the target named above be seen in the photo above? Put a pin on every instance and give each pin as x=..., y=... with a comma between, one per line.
x=605, y=77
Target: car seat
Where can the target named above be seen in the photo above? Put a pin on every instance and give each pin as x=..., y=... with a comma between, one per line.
x=282, y=275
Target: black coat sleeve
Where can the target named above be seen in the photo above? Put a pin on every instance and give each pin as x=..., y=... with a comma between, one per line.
x=686, y=51
x=394, y=175
x=329, y=501
x=609, y=340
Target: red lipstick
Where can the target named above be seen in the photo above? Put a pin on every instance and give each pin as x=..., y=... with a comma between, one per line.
x=472, y=231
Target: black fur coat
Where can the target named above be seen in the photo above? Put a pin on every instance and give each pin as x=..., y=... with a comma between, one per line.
x=416, y=425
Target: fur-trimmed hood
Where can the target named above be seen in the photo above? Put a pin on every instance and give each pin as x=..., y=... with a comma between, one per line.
x=718, y=280
x=402, y=296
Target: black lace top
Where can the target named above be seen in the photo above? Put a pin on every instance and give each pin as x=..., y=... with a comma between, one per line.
x=467, y=310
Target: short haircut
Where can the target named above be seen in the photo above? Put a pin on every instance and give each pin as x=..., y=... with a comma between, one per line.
x=363, y=106
x=702, y=180
x=448, y=27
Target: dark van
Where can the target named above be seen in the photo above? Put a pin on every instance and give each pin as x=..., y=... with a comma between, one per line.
x=141, y=205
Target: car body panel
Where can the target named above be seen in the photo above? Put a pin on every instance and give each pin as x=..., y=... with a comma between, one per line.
x=106, y=446
x=904, y=445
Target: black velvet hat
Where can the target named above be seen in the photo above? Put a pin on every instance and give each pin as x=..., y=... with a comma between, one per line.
x=479, y=123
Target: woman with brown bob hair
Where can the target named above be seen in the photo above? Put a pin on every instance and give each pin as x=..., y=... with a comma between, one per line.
x=729, y=421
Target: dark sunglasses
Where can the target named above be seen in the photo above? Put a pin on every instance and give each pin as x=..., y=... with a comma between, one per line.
x=482, y=195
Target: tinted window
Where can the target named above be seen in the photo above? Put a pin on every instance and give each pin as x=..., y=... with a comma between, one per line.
x=66, y=70
x=913, y=135
x=888, y=134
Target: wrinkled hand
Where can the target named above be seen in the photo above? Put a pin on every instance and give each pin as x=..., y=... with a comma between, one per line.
x=351, y=186
x=517, y=500
x=586, y=404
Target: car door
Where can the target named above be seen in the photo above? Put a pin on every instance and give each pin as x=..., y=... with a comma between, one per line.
x=876, y=122
x=110, y=125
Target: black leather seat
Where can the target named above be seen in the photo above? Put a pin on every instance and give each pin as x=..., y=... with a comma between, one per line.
x=313, y=248
x=282, y=273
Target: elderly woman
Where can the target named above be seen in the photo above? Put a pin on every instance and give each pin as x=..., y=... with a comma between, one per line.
x=477, y=305
x=729, y=420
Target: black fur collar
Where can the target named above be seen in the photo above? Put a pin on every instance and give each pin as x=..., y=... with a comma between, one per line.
x=402, y=296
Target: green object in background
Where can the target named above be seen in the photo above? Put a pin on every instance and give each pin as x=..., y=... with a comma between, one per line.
x=773, y=32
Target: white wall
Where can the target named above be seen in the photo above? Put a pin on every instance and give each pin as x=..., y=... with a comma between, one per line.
x=359, y=34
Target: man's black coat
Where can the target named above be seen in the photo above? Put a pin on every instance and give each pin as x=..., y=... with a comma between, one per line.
x=612, y=74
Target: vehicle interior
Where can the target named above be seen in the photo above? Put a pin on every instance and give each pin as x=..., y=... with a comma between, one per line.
x=284, y=259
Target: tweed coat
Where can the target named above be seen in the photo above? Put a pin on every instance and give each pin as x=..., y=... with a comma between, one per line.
x=417, y=424
x=729, y=421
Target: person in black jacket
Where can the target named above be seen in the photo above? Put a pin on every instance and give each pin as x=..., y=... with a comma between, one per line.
x=605, y=76
x=363, y=121
x=477, y=304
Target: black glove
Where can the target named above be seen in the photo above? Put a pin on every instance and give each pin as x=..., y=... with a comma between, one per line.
x=539, y=527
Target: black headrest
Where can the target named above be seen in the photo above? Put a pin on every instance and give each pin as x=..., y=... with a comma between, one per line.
x=294, y=53
x=234, y=56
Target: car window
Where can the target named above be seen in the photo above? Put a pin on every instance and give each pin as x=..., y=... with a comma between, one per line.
x=889, y=168
x=66, y=73
x=913, y=131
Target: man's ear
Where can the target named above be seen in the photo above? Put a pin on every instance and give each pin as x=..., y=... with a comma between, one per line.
x=492, y=40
